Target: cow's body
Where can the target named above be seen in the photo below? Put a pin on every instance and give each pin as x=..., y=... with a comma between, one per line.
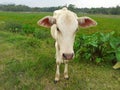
x=64, y=25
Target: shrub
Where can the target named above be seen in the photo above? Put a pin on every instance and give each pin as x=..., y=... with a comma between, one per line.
x=13, y=26
x=98, y=47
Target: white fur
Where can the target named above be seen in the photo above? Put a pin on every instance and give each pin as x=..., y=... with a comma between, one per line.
x=67, y=22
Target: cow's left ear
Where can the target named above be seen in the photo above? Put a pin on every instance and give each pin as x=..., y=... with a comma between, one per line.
x=86, y=22
x=47, y=21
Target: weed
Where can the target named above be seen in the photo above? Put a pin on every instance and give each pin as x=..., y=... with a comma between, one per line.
x=41, y=34
x=13, y=26
x=30, y=43
x=28, y=63
x=27, y=29
x=98, y=47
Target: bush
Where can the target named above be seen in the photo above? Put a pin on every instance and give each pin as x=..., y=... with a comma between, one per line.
x=98, y=47
x=13, y=26
x=17, y=27
x=25, y=29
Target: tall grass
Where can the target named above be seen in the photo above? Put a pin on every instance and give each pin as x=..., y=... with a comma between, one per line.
x=27, y=57
x=26, y=62
x=28, y=21
x=23, y=23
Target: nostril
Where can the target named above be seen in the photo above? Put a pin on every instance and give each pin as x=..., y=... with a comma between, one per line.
x=71, y=55
x=68, y=56
x=64, y=55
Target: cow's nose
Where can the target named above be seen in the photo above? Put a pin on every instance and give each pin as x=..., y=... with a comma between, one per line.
x=67, y=56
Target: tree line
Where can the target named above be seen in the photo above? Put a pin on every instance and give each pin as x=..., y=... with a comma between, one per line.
x=24, y=8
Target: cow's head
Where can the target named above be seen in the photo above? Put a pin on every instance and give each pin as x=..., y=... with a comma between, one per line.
x=64, y=25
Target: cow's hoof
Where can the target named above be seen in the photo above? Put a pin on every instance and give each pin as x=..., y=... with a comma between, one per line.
x=67, y=78
x=55, y=81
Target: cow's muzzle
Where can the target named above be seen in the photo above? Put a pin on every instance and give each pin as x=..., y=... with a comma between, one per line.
x=67, y=56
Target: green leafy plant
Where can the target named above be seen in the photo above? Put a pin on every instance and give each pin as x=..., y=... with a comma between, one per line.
x=98, y=47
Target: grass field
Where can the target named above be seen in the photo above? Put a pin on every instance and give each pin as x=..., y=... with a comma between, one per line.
x=28, y=62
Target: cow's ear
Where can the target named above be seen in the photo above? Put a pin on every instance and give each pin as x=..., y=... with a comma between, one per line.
x=47, y=21
x=86, y=22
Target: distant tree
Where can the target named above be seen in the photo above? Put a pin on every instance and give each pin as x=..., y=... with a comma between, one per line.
x=71, y=7
x=36, y=9
x=115, y=10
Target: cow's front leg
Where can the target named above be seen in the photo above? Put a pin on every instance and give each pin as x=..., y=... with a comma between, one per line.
x=66, y=70
x=58, y=62
x=57, y=75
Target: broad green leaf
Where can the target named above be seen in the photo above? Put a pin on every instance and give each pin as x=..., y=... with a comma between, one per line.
x=87, y=56
x=104, y=37
x=114, y=42
x=112, y=33
x=118, y=55
x=98, y=60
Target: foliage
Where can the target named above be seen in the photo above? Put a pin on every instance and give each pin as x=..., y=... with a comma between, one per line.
x=27, y=29
x=17, y=27
x=101, y=10
x=30, y=43
x=13, y=26
x=41, y=34
x=23, y=23
x=98, y=47
x=13, y=7
x=28, y=63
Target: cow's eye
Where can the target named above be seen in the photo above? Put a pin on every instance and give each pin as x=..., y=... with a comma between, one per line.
x=58, y=29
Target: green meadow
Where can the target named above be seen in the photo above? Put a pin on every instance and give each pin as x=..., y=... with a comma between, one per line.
x=27, y=56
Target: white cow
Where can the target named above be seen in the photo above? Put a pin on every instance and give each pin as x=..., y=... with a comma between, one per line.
x=64, y=24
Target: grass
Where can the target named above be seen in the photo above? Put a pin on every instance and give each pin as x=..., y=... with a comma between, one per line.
x=105, y=23
x=22, y=60
x=28, y=63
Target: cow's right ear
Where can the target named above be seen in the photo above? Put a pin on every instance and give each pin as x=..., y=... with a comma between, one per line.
x=86, y=22
x=47, y=21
